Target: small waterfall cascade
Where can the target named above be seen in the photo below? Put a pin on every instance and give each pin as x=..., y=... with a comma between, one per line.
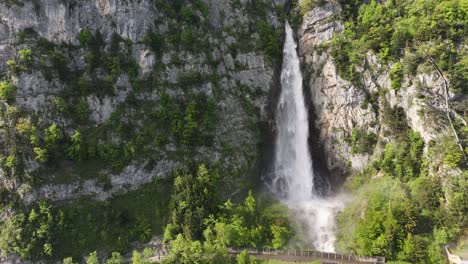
x=293, y=180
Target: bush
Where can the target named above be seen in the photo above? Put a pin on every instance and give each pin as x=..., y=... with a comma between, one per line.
x=26, y=56
x=41, y=155
x=396, y=76
x=453, y=154
x=85, y=37
x=362, y=142
x=245, y=258
x=7, y=90
x=52, y=135
x=269, y=41
x=23, y=126
x=11, y=161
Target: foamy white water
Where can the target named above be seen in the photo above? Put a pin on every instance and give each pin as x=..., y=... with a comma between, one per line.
x=293, y=179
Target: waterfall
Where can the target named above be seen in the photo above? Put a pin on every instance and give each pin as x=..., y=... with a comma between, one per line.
x=293, y=180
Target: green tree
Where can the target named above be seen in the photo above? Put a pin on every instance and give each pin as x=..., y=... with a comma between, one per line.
x=453, y=154
x=148, y=253
x=68, y=260
x=185, y=251
x=52, y=135
x=11, y=161
x=92, y=258
x=192, y=201
x=26, y=56
x=23, y=126
x=396, y=76
x=41, y=154
x=76, y=150
x=7, y=90
x=136, y=258
x=245, y=258
x=34, y=137
x=116, y=258
x=281, y=236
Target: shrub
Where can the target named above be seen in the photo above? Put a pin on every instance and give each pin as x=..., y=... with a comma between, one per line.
x=23, y=126
x=52, y=135
x=26, y=56
x=396, y=76
x=7, y=90
x=453, y=154
x=362, y=142
x=155, y=41
x=41, y=155
x=85, y=36
x=269, y=40
x=13, y=68
x=11, y=161
x=245, y=258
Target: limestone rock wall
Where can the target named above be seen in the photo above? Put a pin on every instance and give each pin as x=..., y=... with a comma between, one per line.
x=229, y=69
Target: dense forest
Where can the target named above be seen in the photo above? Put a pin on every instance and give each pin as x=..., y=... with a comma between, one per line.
x=194, y=130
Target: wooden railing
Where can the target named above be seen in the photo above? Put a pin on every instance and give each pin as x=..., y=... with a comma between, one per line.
x=308, y=255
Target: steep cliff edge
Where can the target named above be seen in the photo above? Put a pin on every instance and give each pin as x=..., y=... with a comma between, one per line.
x=341, y=106
x=135, y=88
x=387, y=83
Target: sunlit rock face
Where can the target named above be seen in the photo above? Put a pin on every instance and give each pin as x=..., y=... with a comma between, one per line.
x=230, y=70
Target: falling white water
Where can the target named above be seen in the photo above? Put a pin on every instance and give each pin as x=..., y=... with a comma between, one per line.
x=293, y=179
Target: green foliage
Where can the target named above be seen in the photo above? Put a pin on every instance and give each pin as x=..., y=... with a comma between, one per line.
x=453, y=154
x=68, y=260
x=115, y=258
x=85, y=37
x=41, y=155
x=391, y=28
x=362, y=142
x=53, y=134
x=136, y=258
x=147, y=253
x=185, y=251
x=83, y=225
x=403, y=214
x=34, y=137
x=387, y=218
x=245, y=258
x=26, y=56
x=11, y=161
x=245, y=225
x=396, y=76
x=345, y=59
x=155, y=41
x=269, y=40
x=193, y=199
x=76, y=150
x=13, y=68
x=23, y=126
x=92, y=258
x=82, y=110
x=7, y=90
x=395, y=120
x=403, y=159
x=459, y=76
x=190, y=124
x=307, y=5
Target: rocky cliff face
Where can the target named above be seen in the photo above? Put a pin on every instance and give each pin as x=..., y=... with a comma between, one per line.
x=122, y=75
x=342, y=107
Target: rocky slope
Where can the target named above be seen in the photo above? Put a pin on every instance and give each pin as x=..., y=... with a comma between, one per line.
x=341, y=106
x=104, y=68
